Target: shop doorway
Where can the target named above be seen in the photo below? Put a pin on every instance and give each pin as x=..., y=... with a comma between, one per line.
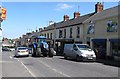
x=99, y=46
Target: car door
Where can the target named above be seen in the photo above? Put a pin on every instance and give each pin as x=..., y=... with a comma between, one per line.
x=74, y=51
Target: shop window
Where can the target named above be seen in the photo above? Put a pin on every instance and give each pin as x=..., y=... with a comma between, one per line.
x=60, y=33
x=115, y=49
x=70, y=32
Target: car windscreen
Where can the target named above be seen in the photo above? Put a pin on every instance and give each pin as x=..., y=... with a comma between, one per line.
x=83, y=47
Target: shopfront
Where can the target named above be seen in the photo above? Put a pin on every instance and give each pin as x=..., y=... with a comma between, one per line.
x=59, y=45
x=115, y=47
x=99, y=46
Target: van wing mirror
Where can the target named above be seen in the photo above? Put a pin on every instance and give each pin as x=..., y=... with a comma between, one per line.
x=75, y=49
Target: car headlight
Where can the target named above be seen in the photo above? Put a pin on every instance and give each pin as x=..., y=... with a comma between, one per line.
x=94, y=55
x=84, y=55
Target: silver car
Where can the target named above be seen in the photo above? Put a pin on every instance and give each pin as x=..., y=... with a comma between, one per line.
x=21, y=51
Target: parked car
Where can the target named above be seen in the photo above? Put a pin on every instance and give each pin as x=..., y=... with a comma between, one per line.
x=12, y=49
x=21, y=51
x=5, y=49
x=79, y=52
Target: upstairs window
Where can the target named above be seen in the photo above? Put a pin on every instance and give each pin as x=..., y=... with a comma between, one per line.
x=60, y=33
x=64, y=33
x=78, y=32
x=45, y=35
x=50, y=35
x=70, y=32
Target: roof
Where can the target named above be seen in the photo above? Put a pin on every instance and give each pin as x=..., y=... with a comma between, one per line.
x=104, y=14
x=70, y=22
x=50, y=27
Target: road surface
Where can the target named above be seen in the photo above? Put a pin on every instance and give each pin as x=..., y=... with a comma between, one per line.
x=52, y=67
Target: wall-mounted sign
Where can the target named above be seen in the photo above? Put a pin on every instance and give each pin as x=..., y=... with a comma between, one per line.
x=91, y=29
x=112, y=26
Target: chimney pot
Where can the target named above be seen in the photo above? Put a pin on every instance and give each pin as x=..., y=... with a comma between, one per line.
x=76, y=14
x=40, y=29
x=98, y=7
x=66, y=17
x=36, y=30
x=44, y=28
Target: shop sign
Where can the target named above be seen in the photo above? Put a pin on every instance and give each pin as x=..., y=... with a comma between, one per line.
x=91, y=29
x=112, y=26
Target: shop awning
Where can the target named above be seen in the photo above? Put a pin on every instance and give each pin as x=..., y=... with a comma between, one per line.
x=40, y=37
x=65, y=40
x=99, y=40
x=115, y=40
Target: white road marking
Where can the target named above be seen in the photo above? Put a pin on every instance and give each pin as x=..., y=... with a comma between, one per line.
x=27, y=68
x=55, y=70
x=10, y=57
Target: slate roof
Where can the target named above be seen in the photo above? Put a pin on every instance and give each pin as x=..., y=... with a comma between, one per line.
x=70, y=22
x=104, y=14
x=73, y=21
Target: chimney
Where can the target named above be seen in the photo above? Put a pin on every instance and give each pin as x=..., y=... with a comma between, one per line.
x=51, y=22
x=66, y=17
x=32, y=31
x=36, y=30
x=40, y=29
x=76, y=14
x=98, y=7
x=44, y=28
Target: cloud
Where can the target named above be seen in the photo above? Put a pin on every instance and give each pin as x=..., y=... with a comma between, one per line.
x=63, y=6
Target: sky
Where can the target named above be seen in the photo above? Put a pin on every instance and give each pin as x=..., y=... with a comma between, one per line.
x=23, y=17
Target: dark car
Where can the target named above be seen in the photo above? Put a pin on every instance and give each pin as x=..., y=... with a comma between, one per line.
x=5, y=49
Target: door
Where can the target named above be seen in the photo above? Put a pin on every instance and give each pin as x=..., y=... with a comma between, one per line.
x=74, y=51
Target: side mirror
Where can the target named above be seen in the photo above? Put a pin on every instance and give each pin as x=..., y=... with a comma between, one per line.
x=75, y=49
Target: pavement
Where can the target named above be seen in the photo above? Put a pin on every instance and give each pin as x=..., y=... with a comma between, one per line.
x=110, y=62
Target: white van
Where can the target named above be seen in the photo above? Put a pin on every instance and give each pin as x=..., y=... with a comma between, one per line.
x=79, y=52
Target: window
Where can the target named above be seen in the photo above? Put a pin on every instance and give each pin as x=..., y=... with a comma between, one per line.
x=45, y=35
x=70, y=32
x=60, y=33
x=91, y=28
x=48, y=35
x=64, y=33
x=78, y=32
x=51, y=36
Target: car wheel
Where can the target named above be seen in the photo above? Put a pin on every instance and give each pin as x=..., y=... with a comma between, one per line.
x=65, y=57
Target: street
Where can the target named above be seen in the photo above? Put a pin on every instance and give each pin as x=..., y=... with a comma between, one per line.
x=52, y=67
